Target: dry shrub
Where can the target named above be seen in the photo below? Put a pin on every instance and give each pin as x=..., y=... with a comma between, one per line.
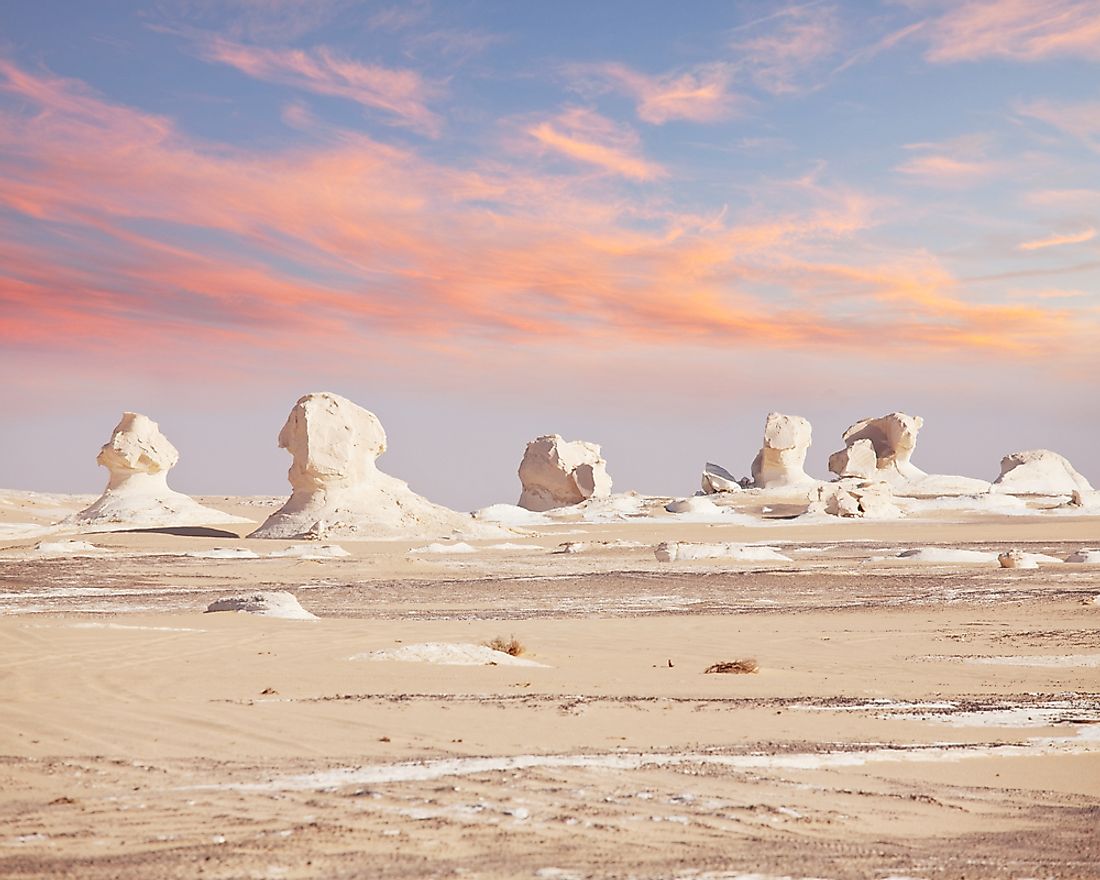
x=735, y=667
x=511, y=645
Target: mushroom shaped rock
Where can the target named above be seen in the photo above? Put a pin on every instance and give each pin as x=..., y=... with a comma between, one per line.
x=1039, y=472
x=893, y=438
x=337, y=487
x=560, y=473
x=779, y=464
x=138, y=457
x=717, y=479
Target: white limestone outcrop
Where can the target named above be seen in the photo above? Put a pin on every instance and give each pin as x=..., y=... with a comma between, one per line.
x=560, y=473
x=855, y=499
x=1039, y=472
x=779, y=464
x=266, y=603
x=138, y=457
x=717, y=479
x=882, y=449
x=337, y=487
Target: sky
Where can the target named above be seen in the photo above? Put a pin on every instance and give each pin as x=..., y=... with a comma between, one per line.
x=642, y=224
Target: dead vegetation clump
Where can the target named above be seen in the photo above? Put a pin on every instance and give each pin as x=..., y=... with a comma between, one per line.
x=510, y=645
x=746, y=666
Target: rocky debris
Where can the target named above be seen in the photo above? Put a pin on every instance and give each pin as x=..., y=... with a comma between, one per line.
x=1039, y=472
x=560, y=473
x=779, y=464
x=138, y=458
x=717, y=479
x=855, y=499
x=338, y=489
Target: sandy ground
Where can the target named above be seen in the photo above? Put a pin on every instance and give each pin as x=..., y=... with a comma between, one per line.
x=907, y=720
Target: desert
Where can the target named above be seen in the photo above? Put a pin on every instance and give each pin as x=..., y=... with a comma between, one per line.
x=627, y=685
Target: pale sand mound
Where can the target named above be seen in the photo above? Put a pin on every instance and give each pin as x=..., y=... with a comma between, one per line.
x=223, y=553
x=511, y=515
x=448, y=654
x=947, y=555
x=437, y=548
x=672, y=551
x=274, y=603
x=67, y=548
x=311, y=551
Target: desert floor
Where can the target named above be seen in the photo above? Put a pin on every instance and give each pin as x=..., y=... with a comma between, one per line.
x=907, y=719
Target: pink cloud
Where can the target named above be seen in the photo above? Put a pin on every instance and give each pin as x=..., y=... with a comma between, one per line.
x=1080, y=119
x=587, y=137
x=779, y=59
x=701, y=94
x=403, y=95
x=1019, y=30
x=1049, y=241
x=959, y=162
x=331, y=250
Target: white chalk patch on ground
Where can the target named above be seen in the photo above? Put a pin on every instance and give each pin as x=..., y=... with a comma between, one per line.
x=511, y=515
x=96, y=625
x=1084, y=742
x=448, y=654
x=948, y=713
x=457, y=547
x=947, y=555
x=673, y=551
x=223, y=553
x=311, y=551
x=1049, y=660
x=68, y=548
x=508, y=545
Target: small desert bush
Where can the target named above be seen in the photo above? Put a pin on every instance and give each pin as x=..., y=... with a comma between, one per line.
x=735, y=667
x=510, y=645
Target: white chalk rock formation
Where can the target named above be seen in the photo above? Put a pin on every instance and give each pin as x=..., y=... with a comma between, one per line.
x=858, y=459
x=272, y=603
x=717, y=479
x=1039, y=472
x=892, y=437
x=337, y=487
x=560, y=473
x=779, y=464
x=882, y=449
x=1016, y=559
x=1084, y=557
x=1084, y=501
x=138, y=457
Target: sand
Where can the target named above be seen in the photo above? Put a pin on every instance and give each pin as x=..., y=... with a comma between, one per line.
x=921, y=719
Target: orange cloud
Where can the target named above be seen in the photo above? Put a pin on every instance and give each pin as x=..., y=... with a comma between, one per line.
x=120, y=231
x=402, y=94
x=698, y=95
x=587, y=137
x=1057, y=240
x=958, y=162
x=1020, y=30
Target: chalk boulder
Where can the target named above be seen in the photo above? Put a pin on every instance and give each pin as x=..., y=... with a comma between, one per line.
x=855, y=499
x=893, y=438
x=338, y=489
x=266, y=603
x=856, y=460
x=138, y=458
x=560, y=473
x=717, y=479
x=779, y=464
x=1039, y=472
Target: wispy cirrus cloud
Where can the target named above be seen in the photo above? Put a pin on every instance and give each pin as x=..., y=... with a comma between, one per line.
x=587, y=137
x=1057, y=240
x=1018, y=30
x=699, y=94
x=956, y=163
x=781, y=52
x=401, y=95
x=1081, y=119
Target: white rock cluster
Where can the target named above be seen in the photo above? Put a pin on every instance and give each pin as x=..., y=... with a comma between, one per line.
x=560, y=473
x=1039, y=472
